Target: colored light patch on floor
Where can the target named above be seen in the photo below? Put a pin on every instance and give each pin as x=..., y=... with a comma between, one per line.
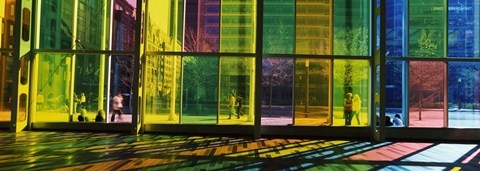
x=282, y=151
x=340, y=167
x=229, y=149
x=429, y=168
x=469, y=158
x=126, y=164
x=390, y=152
x=441, y=153
x=85, y=151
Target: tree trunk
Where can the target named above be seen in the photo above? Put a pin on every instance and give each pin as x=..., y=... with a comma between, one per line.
x=270, y=97
x=421, y=105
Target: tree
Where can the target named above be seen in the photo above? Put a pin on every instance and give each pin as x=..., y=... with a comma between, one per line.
x=355, y=42
x=276, y=72
x=425, y=77
x=200, y=41
x=198, y=68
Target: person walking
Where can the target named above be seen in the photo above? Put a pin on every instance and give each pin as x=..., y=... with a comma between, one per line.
x=347, y=109
x=231, y=105
x=117, y=106
x=356, y=106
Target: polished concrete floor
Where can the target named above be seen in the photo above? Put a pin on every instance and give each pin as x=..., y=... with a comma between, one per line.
x=113, y=151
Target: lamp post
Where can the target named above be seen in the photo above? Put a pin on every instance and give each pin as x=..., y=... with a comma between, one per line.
x=459, y=81
x=307, y=80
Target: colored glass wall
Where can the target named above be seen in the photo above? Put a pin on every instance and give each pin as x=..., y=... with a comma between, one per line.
x=162, y=85
x=426, y=94
x=427, y=28
x=278, y=26
x=312, y=92
x=463, y=94
x=313, y=27
x=395, y=88
x=200, y=90
x=7, y=15
x=69, y=84
x=237, y=78
x=463, y=28
x=277, y=82
x=237, y=26
x=351, y=23
x=351, y=92
x=395, y=38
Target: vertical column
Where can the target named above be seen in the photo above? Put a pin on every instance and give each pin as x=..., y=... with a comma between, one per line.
x=137, y=101
x=476, y=30
x=378, y=71
x=20, y=94
x=258, y=72
x=71, y=81
x=103, y=46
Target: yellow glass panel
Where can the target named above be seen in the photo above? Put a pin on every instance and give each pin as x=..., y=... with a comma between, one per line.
x=162, y=89
x=312, y=92
x=237, y=83
x=351, y=92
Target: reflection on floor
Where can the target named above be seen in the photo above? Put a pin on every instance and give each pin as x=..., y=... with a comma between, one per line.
x=112, y=151
x=5, y=116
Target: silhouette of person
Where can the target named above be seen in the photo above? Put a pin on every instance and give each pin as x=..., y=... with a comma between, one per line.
x=99, y=117
x=347, y=109
x=356, y=106
x=397, y=121
x=117, y=106
x=82, y=100
x=388, y=121
x=83, y=116
x=239, y=106
x=231, y=105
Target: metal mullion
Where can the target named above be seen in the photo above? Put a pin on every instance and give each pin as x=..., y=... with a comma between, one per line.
x=258, y=71
x=67, y=51
x=201, y=54
x=319, y=56
x=434, y=59
x=6, y=50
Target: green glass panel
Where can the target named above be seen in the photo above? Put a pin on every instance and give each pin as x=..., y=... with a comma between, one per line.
x=237, y=83
x=426, y=28
x=426, y=99
x=313, y=27
x=163, y=26
x=200, y=90
x=55, y=96
x=351, y=92
x=53, y=88
x=57, y=22
x=57, y=25
x=86, y=84
x=351, y=27
x=162, y=89
x=237, y=26
x=312, y=92
x=278, y=26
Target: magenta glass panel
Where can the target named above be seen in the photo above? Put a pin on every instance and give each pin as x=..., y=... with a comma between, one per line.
x=426, y=94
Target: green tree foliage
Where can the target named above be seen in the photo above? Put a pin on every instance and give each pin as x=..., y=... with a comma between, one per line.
x=426, y=45
x=353, y=42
